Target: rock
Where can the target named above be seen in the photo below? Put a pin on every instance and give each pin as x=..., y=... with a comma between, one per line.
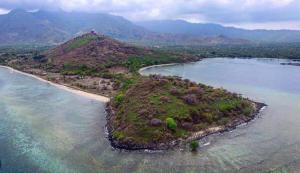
x=102, y=81
x=164, y=99
x=163, y=82
x=156, y=122
x=143, y=112
x=187, y=125
x=174, y=91
x=191, y=99
x=104, y=87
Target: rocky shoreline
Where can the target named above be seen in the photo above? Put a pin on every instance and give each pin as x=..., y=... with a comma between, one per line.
x=128, y=145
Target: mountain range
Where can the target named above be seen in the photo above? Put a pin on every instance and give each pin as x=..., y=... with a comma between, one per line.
x=213, y=30
x=55, y=27
x=42, y=27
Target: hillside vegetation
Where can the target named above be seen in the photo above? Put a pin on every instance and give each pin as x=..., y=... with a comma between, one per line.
x=275, y=50
x=156, y=111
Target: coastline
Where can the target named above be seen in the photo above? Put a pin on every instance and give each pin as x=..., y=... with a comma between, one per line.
x=160, y=65
x=163, y=65
x=66, y=88
x=259, y=107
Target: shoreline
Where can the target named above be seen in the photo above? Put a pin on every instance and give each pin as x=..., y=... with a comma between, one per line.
x=164, y=65
x=160, y=65
x=66, y=88
x=222, y=129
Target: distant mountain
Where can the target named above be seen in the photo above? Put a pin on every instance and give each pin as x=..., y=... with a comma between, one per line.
x=214, y=30
x=20, y=26
x=78, y=23
x=44, y=27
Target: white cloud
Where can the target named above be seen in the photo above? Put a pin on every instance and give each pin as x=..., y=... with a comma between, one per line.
x=4, y=11
x=295, y=25
x=220, y=11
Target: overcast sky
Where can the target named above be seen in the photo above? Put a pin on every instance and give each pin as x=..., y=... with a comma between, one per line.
x=270, y=14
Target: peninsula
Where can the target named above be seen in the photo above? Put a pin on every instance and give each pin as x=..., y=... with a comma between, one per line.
x=144, y=112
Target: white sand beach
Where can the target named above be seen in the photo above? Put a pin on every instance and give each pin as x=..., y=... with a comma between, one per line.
x=78, y=92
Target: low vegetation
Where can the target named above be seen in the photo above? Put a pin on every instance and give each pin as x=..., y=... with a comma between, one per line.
x=77, y=43
x=262, y=50
x=194, y=145
x=157, y=110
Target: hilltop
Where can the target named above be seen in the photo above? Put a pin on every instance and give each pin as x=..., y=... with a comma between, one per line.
x=99, y=52
x=92, y=50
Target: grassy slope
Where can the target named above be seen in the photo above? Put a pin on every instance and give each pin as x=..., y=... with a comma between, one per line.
x=77, y=43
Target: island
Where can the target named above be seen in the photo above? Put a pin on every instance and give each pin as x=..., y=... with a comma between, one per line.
x=144, y=112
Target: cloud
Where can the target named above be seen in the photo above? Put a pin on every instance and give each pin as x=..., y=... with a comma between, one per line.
x=220, y=11
x=3, y=11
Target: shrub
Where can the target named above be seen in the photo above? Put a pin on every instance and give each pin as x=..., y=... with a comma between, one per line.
x=119, y=98
x=171, y=123
x=118, y=135
x=223, y=121
x=194, y=90
x=209, y=117
x=40, y=58
x=194, y=145
x=186, y=80
x=228, y=105
x=248, y=111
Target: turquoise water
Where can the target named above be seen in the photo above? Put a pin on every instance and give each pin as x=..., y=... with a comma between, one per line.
x=46, y=129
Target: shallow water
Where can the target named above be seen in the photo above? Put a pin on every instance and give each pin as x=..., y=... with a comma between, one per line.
x=45, y=129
